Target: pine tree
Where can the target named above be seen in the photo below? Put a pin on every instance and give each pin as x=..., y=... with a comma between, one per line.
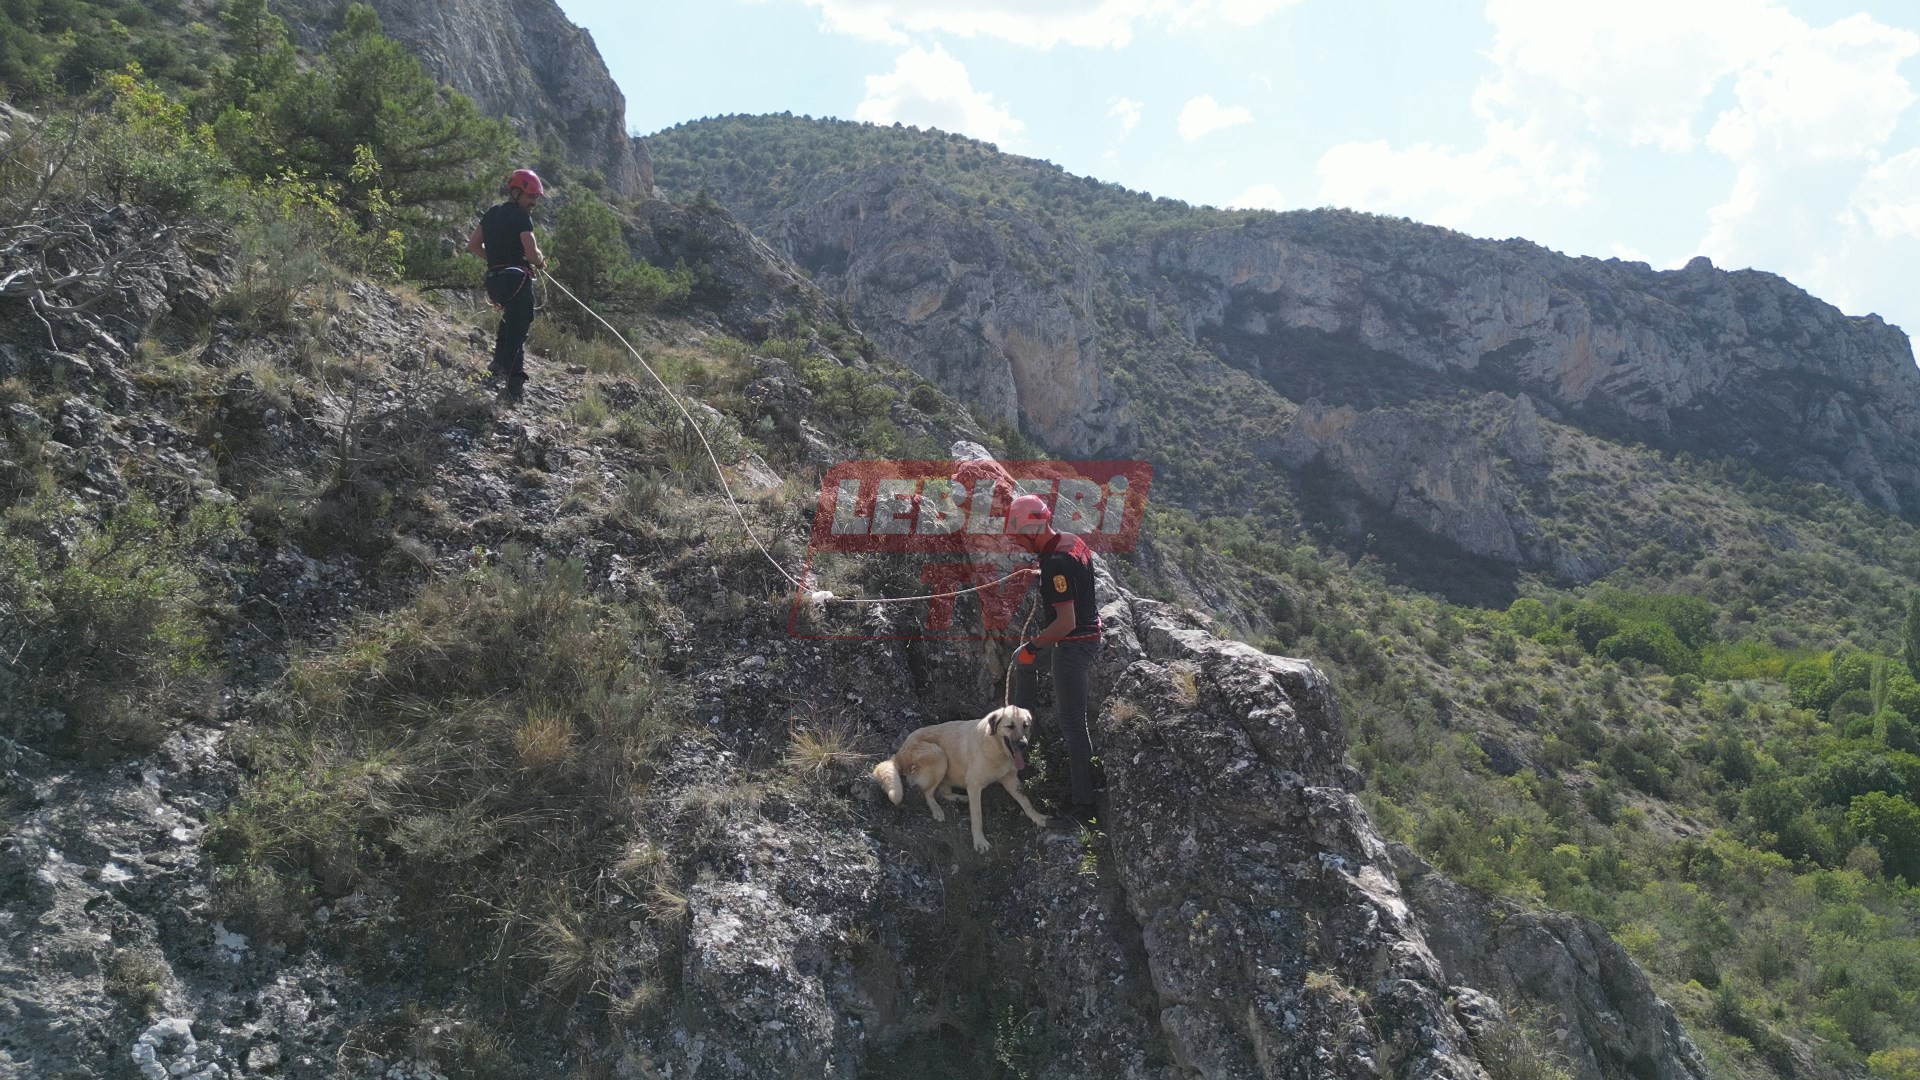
x=432, y=146
x=262, y=57
x=588, y=248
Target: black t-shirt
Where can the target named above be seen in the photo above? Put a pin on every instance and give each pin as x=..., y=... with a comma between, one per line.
x=500, y=230
x=1066, y=573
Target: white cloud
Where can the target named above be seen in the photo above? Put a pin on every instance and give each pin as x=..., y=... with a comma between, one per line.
x=1203, y=116
x=1835, y=92
x=1259, y=197
x=1039, y=24
x=1448, y=186
x=1811, y=110
x=1637, y=71
x=932, y=89
x=1127, y=111
x=1811, y=198
x=1889, y=197
x=1249, y=12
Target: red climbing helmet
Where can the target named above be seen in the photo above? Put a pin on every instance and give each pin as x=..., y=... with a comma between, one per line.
x=1027, y=511
x=526, y=180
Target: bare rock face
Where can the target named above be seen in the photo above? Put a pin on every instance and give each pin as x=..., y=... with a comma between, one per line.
x=985, y=303
x=1428, y=471
x=1739, y=363
x=1613, y=1024
x=1237, y=915
x=1281, y=947
x=519, y=59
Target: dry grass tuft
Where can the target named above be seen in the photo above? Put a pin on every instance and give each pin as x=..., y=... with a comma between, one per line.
x=544, y=741
x=815, y=752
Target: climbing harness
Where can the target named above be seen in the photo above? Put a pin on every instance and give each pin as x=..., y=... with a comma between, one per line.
x=525, y=277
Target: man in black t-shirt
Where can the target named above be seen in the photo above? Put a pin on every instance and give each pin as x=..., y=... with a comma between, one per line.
x=504, y=238
x=1073, y=636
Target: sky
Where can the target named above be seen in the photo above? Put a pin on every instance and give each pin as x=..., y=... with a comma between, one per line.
x=1782, y=135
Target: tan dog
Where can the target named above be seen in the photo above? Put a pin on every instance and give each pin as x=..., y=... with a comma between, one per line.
x=940, y=759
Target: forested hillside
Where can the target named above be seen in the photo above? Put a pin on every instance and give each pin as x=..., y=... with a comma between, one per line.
x=1691, y=715
x=364, y=724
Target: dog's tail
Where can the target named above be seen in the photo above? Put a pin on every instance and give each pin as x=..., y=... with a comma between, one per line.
x=888, y=774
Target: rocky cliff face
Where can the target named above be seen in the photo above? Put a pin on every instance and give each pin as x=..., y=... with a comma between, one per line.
x=1429, y=471
x=1237, y=916
x=996, y=295
x=1562, y=963
x=1742, y=364
x=987, y=304
x=519, y=59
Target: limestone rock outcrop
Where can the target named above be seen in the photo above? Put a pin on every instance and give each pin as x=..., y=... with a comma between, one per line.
x=1023, y=296
x=1238, y=914
x=1612, y=1024
x=987, y=304
x=522, y=60
x=1742, y=363
x=1429, y=471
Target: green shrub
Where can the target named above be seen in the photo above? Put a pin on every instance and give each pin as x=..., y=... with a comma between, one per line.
x=926, y=398
x=113, y=627
x=1856, y=771
x=590, y=256
x=148, y=152
x=1810, y=684
x=1899, y=1063
x=279, y=254
x=1652, y=643
x=1903, y=695
x=1850, y=704
x=478, y=755
x=1527, y=616
x=1852, y=672
x=1891, y=824
x=1591, y=623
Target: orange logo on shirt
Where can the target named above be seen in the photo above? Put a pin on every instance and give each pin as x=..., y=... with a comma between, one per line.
x=1059, y=583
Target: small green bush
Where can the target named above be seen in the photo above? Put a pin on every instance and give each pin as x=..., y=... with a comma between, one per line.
x=1891, y=824
x=475, y=754
x=114, y=627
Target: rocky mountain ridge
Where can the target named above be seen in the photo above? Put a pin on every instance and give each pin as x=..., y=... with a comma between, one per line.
x=524, y=61
x=1697, y=359
x=1005, y=281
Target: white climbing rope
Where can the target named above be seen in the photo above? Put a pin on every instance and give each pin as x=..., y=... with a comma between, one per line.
x=818, y=596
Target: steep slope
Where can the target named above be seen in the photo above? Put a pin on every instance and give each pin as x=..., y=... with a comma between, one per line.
x=495, y=755
x=503, y=752
x=1038, y=294
x=520, y=60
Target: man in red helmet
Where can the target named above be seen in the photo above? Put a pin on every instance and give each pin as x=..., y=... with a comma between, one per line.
x=1072, y=635
x=504, y=238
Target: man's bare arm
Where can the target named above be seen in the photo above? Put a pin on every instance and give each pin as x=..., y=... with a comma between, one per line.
x=1062, y=624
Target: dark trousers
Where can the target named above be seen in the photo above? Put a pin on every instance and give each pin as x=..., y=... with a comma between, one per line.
x=1072, y=662
x=512, y=288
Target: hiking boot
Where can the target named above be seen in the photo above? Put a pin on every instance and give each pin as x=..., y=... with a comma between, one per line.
x=516, y=383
